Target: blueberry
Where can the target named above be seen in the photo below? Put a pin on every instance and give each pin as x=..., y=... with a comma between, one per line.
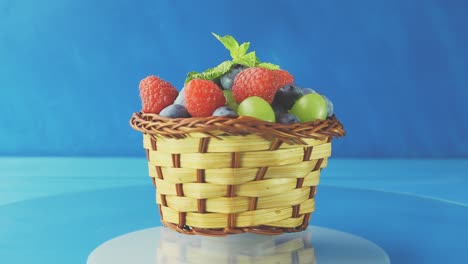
x=228, y=78
x=180, y=100
x=287, y=118
x=174, y=111
x=217, y=81
x=329, y=106
x=288, y=95
x=278, y=109
x=224, y=111
x=308, y=90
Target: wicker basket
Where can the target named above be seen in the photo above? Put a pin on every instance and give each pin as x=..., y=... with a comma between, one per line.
x=220, y=175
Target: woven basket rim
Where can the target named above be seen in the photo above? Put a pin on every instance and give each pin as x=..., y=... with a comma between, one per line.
x=157, y=125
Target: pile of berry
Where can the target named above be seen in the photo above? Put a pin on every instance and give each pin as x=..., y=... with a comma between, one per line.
x=243, y=86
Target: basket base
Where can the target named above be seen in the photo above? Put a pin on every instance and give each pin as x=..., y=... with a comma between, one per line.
x=260, y=230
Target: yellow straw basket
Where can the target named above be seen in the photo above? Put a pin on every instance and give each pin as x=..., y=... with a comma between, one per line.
x=220, y=175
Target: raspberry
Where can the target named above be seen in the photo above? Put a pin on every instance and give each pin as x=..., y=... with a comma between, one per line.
x=255, y=81
x=156, y=94
x=282, y=78
x=203, y=97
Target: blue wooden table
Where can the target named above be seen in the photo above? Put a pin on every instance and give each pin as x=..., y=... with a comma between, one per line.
x=57, y=210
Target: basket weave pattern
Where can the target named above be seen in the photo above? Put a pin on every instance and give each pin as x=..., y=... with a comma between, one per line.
x=218, y=176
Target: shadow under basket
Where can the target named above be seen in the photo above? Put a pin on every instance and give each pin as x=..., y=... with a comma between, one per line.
x=220, y=175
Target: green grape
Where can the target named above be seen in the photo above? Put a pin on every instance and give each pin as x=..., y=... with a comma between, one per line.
x=230, y=101
x=257, y=107
x=310, y=107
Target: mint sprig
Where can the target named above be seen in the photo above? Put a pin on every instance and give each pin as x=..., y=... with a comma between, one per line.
x=268, y=65
x=211, y=73
x=233, y=46
x=249, y=59
x=238, y=54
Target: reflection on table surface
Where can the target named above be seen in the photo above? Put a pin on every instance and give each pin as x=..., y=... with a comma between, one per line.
x=315, y=245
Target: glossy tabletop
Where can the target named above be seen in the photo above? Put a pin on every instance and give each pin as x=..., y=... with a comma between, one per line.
x=59, y=210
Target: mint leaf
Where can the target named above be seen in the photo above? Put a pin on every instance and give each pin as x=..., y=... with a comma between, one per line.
x=229, y=42
x=249, y=59
x=257, y=61
x=268, y=65
x=192, y=73
x=242, y=50
x=211, y=73
x=239, y=56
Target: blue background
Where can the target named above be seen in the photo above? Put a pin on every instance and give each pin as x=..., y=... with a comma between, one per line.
x=396, y=70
